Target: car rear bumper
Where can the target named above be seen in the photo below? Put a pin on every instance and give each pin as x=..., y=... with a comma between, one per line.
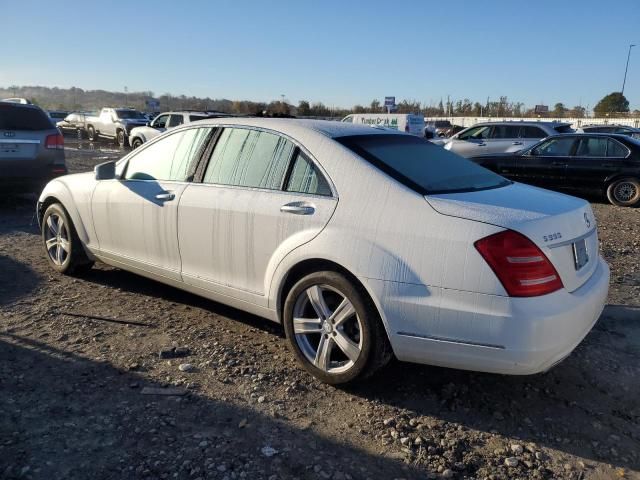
x=489, y=333
x=28, y=176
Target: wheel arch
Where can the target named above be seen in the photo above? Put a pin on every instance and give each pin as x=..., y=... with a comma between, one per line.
x=304, y=267
x=57, y=192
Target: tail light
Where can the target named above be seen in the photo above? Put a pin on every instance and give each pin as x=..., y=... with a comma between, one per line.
x=55, y=141
x=519, y=264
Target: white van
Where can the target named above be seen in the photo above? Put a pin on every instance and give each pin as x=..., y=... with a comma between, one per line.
x=405, y=122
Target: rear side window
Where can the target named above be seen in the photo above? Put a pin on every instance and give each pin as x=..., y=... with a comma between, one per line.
x=13, y=117
x=249, y=158
x=592, y=147
x=505, y=131
x=532, y=132
x=175, y=120
x=195, y=118
x=168, y=158
x=421, y=165
x=616, y=149
x=305, y=178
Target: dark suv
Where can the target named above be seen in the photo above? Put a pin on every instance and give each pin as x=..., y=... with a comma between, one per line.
x=31, y=148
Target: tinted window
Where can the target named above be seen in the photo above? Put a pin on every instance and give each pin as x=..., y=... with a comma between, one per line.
x=477, y=133
x=175, y=120
x=169, y=158
x=195, y=118
x=421, y=165
x=134, y=114
x=532, y=132
x=249, y=158
x=305, y=178
x=616, y=149
x=505, y=131
x=556, y=147
x=592, y=147
x=14, y=117
x=624, y=131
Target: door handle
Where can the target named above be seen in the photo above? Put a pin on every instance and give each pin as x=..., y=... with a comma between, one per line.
x=165, y=197
x=516, y=143
x=563, y=164
x=298, y=208
x=608, y=165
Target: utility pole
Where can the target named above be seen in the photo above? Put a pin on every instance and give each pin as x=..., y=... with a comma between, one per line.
x=626, y=69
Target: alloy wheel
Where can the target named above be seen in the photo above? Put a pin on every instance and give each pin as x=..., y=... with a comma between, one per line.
x=57, y=239
x=625, y=192
x=327, y=329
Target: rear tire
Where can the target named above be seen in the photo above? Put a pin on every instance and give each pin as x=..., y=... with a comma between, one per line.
x=91, y=134
x=334, y=329
x=63, y=248
x=122, y=139
x=624, y=192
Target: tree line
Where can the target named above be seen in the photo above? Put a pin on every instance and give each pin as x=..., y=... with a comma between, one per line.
x=77, y=99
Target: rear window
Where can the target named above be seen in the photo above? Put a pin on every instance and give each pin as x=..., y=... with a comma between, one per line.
x=195, y=118
x=13, y=117
x=132, y=114
x=421, y=165
x=564, y=129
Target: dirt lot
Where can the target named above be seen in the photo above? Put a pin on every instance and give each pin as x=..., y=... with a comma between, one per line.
x=79, y=355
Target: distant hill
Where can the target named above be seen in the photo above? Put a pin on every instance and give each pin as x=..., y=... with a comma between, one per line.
x=54, y=98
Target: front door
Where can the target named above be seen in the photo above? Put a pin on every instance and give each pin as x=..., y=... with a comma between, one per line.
x=236, y=226
x=136, y=216
x=546, y=164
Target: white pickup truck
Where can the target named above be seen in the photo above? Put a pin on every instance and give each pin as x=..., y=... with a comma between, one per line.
x=115, y=123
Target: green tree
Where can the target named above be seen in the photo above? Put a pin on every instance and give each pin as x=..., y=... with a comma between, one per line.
x=614, y=102
x=304, y=108
x=375, y=106
x=559, y=110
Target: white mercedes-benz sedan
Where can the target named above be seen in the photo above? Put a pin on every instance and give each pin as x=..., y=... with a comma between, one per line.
x=364, y=242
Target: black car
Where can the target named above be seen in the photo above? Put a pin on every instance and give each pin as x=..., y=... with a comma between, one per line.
x=75, y=123
x=31, y=148
x=622, y=129
x=589, y=163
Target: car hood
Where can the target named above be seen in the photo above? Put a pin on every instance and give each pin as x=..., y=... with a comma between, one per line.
x=553, y=221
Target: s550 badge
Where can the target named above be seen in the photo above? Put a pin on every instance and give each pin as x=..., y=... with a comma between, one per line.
x=551, y=237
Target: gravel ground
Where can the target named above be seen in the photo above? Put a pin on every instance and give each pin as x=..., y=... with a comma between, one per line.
x=115, y=376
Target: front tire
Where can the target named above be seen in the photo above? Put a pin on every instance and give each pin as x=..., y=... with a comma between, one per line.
x=334, y=329
x=137, y=142
x=624, y=192
x=63, y=247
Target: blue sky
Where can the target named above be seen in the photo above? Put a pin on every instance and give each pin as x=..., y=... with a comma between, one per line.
x=338, y=52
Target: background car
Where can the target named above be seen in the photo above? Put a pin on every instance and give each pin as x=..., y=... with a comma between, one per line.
x=428, y=256
x=161, y=123
x=621, y=129
x=588, y=163
x=74, y=123
x=31, y=148
x=502, y=137
x=57, y=115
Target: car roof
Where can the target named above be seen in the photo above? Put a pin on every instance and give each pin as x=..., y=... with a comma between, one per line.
x=293, y=126
x=519, y=122
x=611, y=125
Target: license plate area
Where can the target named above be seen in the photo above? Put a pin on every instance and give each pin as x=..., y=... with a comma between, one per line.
x=580, y=254
x=9, y=147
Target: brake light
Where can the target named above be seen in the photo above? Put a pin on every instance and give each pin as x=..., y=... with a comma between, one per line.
x=519, y=264
x=55, y=141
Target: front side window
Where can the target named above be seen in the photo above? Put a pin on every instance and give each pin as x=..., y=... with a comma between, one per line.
x=161, y=121
x=305, y=178
x=476, y=133
x=249, y=158
x=175, y=120
x=130, y=114
x=168, y=159
x=556, y=147
x=421, y=165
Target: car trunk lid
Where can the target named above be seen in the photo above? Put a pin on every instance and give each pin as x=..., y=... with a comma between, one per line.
x=563, y=227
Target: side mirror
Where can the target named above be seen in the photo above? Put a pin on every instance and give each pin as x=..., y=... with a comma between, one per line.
x=105, y=171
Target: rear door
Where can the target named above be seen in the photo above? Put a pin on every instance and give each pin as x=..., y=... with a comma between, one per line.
x=596, y=158
x=261, y=197
x=503, y=139
x=545, y=165
x=136, y=216
x=175, y=120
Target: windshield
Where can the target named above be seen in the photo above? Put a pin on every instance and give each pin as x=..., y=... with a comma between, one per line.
x=421, y=165
x=133, y=114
